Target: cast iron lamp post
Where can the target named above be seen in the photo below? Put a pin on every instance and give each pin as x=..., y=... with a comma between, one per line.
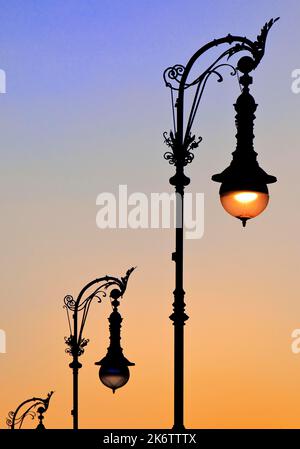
x=243, y=192
x=114, y=372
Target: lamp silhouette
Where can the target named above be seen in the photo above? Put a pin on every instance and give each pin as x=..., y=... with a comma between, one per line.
x=244, y=192
x=96, y=290
x=114, y=372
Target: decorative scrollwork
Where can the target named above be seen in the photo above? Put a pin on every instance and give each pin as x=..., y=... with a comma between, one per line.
x=191, y=144
x=38, y=405
x=173, y=74
x=215, y=71
x=185, y=157
x=125, y=278
x=170, y=142
x=69, y=302
x=10, y=418
x=19, y=421
x=185, y=142
x=69, y=341
x=73, y=346
x=98, y=293
x=260, y=43
x=169, y=156
x=256, y=48
x=240, y=46
x=80, y=307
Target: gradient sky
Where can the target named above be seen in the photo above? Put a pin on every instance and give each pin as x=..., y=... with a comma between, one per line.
x=84, y=111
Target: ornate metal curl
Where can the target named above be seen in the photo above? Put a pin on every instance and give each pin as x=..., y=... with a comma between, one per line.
x=176, y=76
x=256, y=48
x=187, y=156
x=173, y=73
x=77, y=343
x=38, y=405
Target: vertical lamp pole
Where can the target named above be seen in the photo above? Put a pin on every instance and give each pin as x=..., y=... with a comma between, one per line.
x=245, y=183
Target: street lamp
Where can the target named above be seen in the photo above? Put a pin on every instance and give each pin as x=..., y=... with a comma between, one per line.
x=243, y=191
x=29, y=408
x=114, y=372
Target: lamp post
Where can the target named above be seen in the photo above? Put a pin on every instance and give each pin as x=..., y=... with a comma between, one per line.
x=243, y=191
x=29, y=408
x=114, y=372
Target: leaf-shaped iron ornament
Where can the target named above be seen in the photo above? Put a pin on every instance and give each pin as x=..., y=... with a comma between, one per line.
x=77, y=311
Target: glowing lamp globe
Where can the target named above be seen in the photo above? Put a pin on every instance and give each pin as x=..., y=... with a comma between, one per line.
x=244, y=203
x=114, y=377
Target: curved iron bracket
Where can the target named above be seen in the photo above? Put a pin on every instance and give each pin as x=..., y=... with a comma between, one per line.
x=117, y=287
x=37, y=405
x=180, y=140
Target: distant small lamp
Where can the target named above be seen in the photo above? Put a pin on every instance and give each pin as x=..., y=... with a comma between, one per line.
x=244, y=192
x=29, y=409
x=113, y=365
x=114, y=372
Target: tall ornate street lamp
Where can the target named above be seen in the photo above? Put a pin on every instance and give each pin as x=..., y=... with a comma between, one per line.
x=114, y=372
x=29, y=408
x=243, y=192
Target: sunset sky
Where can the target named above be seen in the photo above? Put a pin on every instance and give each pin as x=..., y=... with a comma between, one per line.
x=84, y=112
